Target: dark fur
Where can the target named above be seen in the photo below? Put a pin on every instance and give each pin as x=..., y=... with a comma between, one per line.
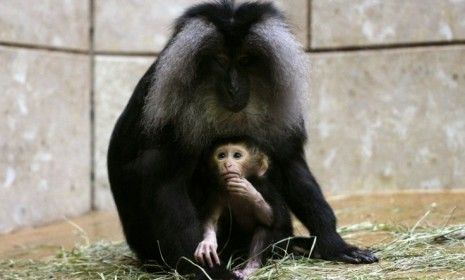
x=175, y=112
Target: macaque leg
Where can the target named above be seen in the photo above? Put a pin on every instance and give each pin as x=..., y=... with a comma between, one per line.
x=257, y=247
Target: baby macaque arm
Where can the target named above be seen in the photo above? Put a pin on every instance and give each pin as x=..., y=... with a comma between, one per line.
x=206, y=253
x=263, y=211
x=242, y=187
x=210, y=226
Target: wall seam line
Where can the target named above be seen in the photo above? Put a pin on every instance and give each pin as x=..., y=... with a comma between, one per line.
x=341, y=49
x=92, y=105
x=123, y=53
x=393, y=46
x=43, y=47
x=309, y=25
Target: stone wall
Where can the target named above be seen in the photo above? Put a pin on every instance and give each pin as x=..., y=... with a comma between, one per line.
x=387, y=101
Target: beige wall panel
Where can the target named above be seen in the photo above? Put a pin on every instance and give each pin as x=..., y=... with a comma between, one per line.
x=339, y=23
x=388, y=120
x=296, y=11
x=116, y=78
x=135, y=25
x=44, y=140
x=146, y=25
x=55, y=23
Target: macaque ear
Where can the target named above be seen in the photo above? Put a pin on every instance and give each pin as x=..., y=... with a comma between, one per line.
x=263, y=166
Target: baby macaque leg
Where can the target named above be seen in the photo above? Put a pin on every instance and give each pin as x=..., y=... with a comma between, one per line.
x=257, y=247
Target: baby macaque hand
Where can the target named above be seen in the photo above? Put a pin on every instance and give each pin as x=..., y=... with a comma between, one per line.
x=206, y=253
x=242, y=187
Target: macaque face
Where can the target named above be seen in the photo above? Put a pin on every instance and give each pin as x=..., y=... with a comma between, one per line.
x=232, y=159
x=237, y=159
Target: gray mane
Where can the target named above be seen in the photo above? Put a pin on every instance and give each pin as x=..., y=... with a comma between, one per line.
x=193, y=110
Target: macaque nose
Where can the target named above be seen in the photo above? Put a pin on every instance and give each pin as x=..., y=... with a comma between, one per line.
x=227, y=164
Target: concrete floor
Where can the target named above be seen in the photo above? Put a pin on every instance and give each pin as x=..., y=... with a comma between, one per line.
x=397, y=209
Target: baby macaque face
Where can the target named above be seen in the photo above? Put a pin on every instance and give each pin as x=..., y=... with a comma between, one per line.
x=232, y=159
x=238, y=160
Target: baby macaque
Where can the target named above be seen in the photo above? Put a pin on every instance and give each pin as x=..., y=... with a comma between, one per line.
x=257, y=209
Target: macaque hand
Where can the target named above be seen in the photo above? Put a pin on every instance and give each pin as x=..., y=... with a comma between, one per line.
x=206, y=254
x=243, y=188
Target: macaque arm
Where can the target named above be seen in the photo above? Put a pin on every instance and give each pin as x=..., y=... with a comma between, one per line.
x=262, y=210
x=210, y=226
x=206, y=253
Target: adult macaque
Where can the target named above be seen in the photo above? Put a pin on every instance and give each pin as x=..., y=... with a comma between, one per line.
x=228, y=70
x=258, y=211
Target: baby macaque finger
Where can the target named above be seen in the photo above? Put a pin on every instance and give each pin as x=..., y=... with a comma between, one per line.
x=236, y=180
x=235, y=189
x=199, y=256
x=207, y=256
x=236, y=184
x=215, y=257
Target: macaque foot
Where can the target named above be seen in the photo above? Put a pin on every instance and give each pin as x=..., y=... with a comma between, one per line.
x=248, y=270
x=243, y=274
x=357, y=256
x=350, y=254
x=206, y=254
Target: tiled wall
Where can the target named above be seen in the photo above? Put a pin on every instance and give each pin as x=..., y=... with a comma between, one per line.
x=45, y=126
x=387, y=101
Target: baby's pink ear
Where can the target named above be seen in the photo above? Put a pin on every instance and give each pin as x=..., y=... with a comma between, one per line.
x=263, y=167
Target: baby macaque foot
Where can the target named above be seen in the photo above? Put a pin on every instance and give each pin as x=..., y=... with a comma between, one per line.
x=243, y=274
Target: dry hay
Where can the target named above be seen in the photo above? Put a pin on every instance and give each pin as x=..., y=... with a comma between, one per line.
x=406, y=253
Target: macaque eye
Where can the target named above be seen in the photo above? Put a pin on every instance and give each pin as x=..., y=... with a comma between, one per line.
x=221, y=155
x=237, y=155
